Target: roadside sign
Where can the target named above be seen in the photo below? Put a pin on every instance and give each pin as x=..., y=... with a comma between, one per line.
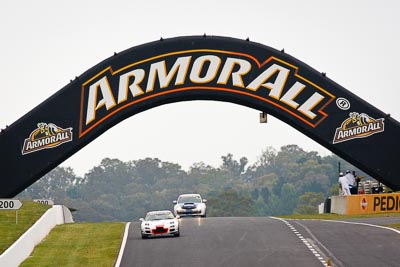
x=10, y=204
x=44, y=201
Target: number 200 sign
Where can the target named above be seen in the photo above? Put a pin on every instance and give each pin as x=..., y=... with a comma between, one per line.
x=10, y=204
x=44, y=201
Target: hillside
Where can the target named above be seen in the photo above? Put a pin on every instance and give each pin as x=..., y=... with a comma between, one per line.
x=287, y=181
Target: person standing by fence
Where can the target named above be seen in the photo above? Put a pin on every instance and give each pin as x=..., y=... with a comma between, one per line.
x=344, y=184
x=351, y=181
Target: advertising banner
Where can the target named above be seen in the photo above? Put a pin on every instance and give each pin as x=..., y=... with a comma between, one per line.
x=373, y=203
x=191, y=68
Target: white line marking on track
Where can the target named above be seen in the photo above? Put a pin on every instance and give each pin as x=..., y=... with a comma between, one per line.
x=366, y=224
x=320, y=245
x=306, y=243
x=123, y=244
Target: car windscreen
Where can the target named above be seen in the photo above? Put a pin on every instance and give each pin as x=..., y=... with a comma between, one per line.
x=159, y=216
x=189, y=199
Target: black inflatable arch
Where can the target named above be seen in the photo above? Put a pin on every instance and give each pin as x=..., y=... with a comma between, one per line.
x=198, y=68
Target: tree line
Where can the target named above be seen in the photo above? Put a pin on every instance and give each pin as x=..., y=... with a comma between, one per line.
x=280, y=182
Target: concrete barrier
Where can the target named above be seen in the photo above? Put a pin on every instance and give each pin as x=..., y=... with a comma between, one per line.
x=365, y=204
x=338, y=204
x=23, y=247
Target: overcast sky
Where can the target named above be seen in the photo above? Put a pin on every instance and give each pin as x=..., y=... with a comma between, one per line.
x=45, y=43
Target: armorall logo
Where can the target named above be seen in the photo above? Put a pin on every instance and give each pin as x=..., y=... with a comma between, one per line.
x=46, y=136
x=271, y=80
x=358, y=125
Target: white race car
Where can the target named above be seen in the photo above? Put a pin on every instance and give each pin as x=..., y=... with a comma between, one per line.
x=159, y=223
x=190, y=205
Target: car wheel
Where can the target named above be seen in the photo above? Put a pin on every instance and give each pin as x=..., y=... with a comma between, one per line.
x=177, y=234
x=144, y=236
x=205, y=215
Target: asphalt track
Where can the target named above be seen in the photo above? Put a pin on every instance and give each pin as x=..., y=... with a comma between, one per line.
x=263, y=241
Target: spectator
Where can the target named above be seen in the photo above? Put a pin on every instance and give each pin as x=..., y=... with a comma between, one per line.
x=357, y=179
x=350, y=178
x=344, y=184
x=352, y=182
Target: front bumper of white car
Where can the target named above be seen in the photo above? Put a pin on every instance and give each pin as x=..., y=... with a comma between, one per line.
x=160, y=230
x=190, y=212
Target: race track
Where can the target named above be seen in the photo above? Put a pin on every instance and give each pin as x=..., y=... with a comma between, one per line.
x=263, y=241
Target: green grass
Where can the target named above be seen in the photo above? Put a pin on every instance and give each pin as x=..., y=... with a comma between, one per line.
x=28, y=214
x=334, y=216
x=397, y=225
x=92, y=244
x=79, y=244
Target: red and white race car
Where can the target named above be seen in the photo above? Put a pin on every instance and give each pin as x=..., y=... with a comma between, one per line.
x=159, y=223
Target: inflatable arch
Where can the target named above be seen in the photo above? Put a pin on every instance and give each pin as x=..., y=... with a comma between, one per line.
x=198, y=68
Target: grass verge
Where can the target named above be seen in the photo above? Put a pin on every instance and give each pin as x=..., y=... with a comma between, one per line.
x=28, y=214
x=334, y=216
x=79, y=244
x=397, y=225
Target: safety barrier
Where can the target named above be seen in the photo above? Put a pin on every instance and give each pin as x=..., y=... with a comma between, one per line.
x=365, y=204
x=23, y=247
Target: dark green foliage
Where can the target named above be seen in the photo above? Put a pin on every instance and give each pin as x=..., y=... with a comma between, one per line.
x=230, y=203
x=309, y=203
x=255, y=193
x=265, y=194
x=280, y=182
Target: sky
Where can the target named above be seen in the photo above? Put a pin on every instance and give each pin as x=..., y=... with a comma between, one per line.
x=45, y=43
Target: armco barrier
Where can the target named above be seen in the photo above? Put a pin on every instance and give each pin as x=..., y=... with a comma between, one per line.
x=24, y=246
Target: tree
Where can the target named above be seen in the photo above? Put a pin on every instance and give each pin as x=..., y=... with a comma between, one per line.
x=309, y=203
x=288, y=199
x=265, y=194
x=148, y=170
x=265, y=164
x=125, y=191
x=235, y=168
x=230, y=203
x=55, y=185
